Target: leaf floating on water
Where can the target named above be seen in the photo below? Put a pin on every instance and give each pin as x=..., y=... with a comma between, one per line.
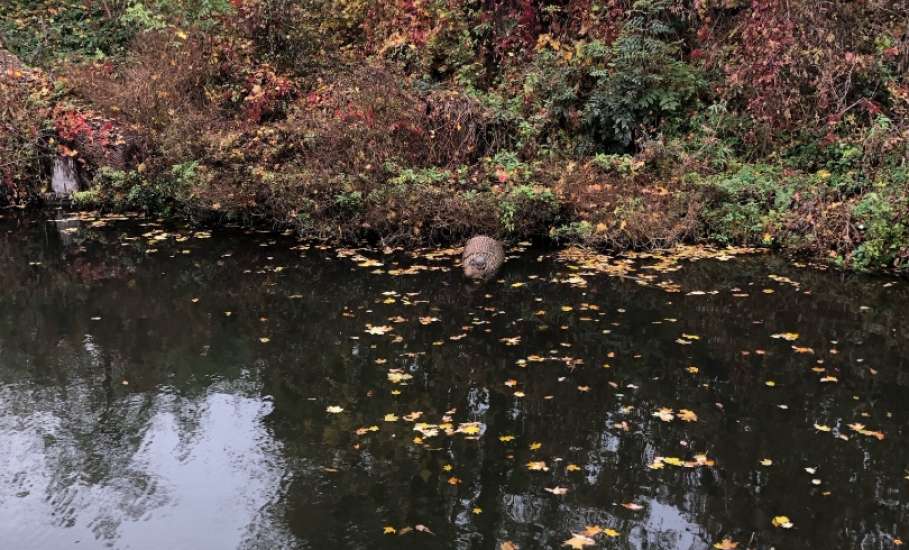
x=454, y=480
x=726, y=544
x=632, y=506
x=782, y=521
x=535, y=445
x=538, y=466
x=508, y=545
x=665, y=414
x=558, y=491
x=377, y=330
x=860, y=428
x=391, y=418
x=364, y=430
x=788, y=336
x=398, y=376
x=513, y=341
x=389, y=530
x=265, y=340
x=578, y=541
x=423, y=529
x=334, y=409
x=576, y=468
x=687, y=416
x=766, y=462
x=469, y=428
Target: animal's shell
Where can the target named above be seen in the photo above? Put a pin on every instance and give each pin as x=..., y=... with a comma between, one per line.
x=482, y=258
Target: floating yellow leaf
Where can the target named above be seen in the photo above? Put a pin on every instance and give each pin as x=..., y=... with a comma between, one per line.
x=687, y=416
x=860, y=428
x=578, y=541
x=782, y=521
x=535, y=445
x=766, y=462
x=665, y=414
x=377, y=330
x=506, y=438
x=726, y=544
x=559, y=491
x=469, y=428
x=389, y=530
x=537, y=466
x=788, y=336
x=334, y=409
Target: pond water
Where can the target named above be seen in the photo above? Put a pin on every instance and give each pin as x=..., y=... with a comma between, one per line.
x=167, y=388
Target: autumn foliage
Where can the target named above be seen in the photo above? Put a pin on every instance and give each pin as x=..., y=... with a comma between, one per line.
x=616, y=123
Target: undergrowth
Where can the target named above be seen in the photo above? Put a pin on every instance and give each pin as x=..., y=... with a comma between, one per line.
x=613, y=123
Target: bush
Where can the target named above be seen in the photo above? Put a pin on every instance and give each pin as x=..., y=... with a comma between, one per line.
x=646, y=85
x=882, y=219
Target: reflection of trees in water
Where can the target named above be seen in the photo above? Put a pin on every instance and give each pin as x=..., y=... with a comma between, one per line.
x=176, y=354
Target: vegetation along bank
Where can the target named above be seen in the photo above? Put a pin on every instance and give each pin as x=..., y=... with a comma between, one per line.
x=611, y=123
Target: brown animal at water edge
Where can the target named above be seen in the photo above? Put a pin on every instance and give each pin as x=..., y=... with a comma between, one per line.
x=482, y=258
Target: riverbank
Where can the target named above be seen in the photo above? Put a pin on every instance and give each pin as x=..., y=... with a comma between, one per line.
x=629, y=126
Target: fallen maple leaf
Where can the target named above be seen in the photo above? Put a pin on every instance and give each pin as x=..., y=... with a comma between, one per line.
x=782, y=521
x=726, y=544
x=687, y=416
x=578, y=541
x=788, y=336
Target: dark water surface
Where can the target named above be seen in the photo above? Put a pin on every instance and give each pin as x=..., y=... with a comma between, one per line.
x=136, y=412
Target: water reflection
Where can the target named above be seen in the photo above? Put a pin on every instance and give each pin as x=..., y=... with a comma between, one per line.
x=163, y=389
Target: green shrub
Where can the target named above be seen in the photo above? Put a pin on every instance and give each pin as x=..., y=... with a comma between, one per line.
x=885, y=231
x=747, y=203
x=163, y=195
x=526, y=208
x=646, y=85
